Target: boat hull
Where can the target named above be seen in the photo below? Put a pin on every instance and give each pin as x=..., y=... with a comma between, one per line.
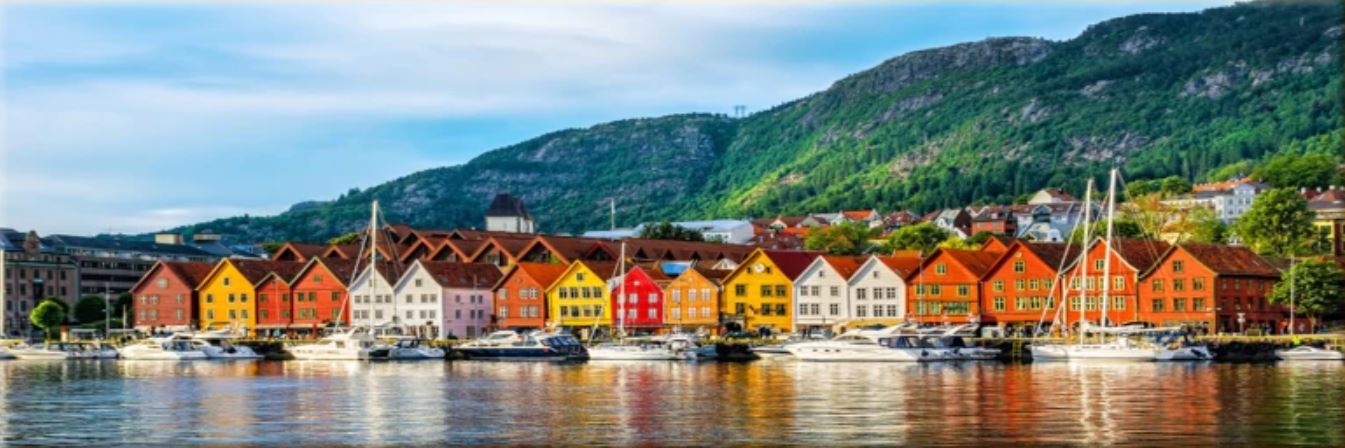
x=604, y=354
x=1092, y=353
x=1313, y=355
x=830, y=353
x=1196, y=353
x=516, y=354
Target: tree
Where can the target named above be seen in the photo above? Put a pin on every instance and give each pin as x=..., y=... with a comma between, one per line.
x=272, y=246
x=65, y=307
x=1167, y=186
x=850, y=238
x=1206, y=227
x=123, y=305
x=979, y=238
x=924, y=237
x=955, y=242
x=347, y=238
x=668, y=231
x=1290, y=169
x=90, y=309
x=1121, y=228
x=48, y=316
x=1278, y=222
x=1316, y=288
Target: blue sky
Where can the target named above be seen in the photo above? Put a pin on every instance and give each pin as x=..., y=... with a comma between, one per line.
x=138, y=117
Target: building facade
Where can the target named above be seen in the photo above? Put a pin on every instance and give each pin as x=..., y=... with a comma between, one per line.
x=822, y=293
x=507, y=213
x=947, y=287
x=1212, y=287
x=580, y=298
x=758, y=294
x=32, y=271
x=1022, y=288
x=637, y=299
x=883, y=280
x=165, y=298
x=692, y=300
x=520, y=295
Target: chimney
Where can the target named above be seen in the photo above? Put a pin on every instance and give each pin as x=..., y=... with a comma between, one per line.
x=168, y=238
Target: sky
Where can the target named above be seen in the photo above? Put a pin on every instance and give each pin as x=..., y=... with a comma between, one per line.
x=131, y=118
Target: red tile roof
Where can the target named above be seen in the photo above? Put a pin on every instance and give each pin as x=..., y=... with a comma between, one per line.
x=903, y=265
x=975, y=261
x=462, y=275
x=1052, y=254
x=303, y=250
x=714, y=275
x=1141, y=254
x=791, y=263
x=543, y=273
x=1230, y=260
x=845, y=266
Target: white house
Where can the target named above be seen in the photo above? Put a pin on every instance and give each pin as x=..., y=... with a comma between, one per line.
x=442, y=299
x=1229, y=200
x=372, y=296
x=878, y=289
x=821, y=295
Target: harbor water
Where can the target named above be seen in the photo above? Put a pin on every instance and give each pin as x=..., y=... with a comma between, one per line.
x=765, y=402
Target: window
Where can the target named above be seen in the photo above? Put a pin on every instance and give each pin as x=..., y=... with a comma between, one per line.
x=1019, y=266
x=780, y=309
x=653, y=313
x=210, y=314
x=233, y=314
x=231, y=298
x=941, y=269
x=579, y=276
x=1033, y=284
x=418, y=282
x=803, y=291
x=998, y=285
x=835, y=291
x=861, y=294
x=877, y=311
x=410, y=298
x=834, y=309
x=1098, y=264
x=226, y=281
x=765, y=290
x=244, y=299
x=1178, y=266
x=1118, y=303
x=1018, y=285
x=1178, y=284
x=1178, y=305
x=1198, y=304
x=781, y=291
x=503, y=312
x=161, y=283
x=1158, y=285
x=1118, y=282
x=1157, y=305
x=261, y=298
x=999, y=304
x=766, y=309
x=935, y=290
x=739, y=308
x=739, y=290
x=262, y=314
x=861, y=311
x=963, y=290
x=1198, y=284
x=691, y=313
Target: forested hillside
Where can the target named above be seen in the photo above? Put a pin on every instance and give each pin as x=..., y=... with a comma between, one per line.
x=1193, y=95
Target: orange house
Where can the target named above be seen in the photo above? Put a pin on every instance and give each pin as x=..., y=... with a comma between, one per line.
x=947, y=286
x=520, y=295
x=273, y=297
x=1129, y=258
x=692, y=299
x=1021, y=287
x=1210, y=286
x=320, y=295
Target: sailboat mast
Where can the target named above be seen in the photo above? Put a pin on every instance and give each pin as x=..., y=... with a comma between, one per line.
x=621, y=292
x=1106, y=260
x=1083, y=257
x=373, y=259
x=1292, y=280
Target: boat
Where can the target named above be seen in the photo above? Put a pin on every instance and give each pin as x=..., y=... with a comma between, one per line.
x=351, y=344
x=409, y=349
x=52, y=350
x=1174, y=345
x=1309, y=353
x=772, y=350
x=533, y=346
x=1121, y=349
x=670, y=348
x=163, y=349
x=950, y=344
x=217, y=345
x=885, y=345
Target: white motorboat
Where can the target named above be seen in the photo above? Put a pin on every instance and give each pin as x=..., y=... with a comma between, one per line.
x=218, y=345
x=100, y=350
x=1120, y=349
x=1185, y=353
x=409, y=349
x=53, y=350
x=671, y=348
x=864, y=346
x=1309, y=353
x=534, y=346
x=163, y=349
x=352, y=344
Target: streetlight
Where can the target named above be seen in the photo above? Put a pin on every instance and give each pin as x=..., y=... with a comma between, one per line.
x=1242, y=321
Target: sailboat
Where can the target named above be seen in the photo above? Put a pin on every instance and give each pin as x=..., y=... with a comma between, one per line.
x=355, y=343
x=670, y=349
x=1303, y=352
x=1122, y=346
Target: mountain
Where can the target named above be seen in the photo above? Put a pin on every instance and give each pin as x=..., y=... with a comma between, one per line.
x=1156, y=94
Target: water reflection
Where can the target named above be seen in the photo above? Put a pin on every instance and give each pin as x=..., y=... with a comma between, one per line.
x=336, y=402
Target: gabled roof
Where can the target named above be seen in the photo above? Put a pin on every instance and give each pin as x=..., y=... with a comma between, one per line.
x=1332, y=199
x=1141, y=255
x=190, y=272
x=714, y=275
x=1225, y=260
x=343, y=270
x=791, y=263
x=544, y=273
x=462, y=275
x=507, y=205
x=301, y=251
x=257, y=270
x=845, y=266
x=858, y=215
x=902, y=265
x=974, y=261
x=567, y=249
x=605, y=270
x=1050, y=254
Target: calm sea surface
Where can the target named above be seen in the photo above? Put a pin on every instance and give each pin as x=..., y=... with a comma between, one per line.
x=313, y=403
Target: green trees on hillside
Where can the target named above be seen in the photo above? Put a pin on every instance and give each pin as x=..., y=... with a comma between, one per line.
x=924, y=237
x=850, y=238
x=668, y=231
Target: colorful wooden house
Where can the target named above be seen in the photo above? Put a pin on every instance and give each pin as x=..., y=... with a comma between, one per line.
x=822, y=293
x=881, y=281
x=579, y=298
x=371, y=295
x=1022, y=288
x=758, y=294
x=165, y=297
x=520, y=295
x=273, y=298
x=319, y=294
x=692, y=300
x=1129, y=258
x=446, y=300
x=227, y=292
x=947, y=286
x=637, y=298
x=1213, y=287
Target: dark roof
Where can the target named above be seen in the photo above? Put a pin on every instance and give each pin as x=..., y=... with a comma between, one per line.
x=256, y=270
x=462, y=275
x=1141, y=254
x=191, y=272
x=715, y=275
x=1328, y=200
x=603, y=269
x=1051, y=253
x=791, y=262
x=1230, y=260
x=305, y=251
x=343, y=270
x=505, y=204
x=113, y=244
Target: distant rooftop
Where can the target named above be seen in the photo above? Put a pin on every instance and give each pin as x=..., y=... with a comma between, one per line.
x=507, y=205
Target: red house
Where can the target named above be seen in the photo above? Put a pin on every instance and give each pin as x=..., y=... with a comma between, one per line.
x=165, y=297
x=1021, y=287
x=1130, y=258
x=320, y=293
x=520, y=295
x=273, y=297
x=1211, y=286
x=643, y=304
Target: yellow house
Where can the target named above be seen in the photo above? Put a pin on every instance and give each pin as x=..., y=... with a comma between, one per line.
x=759, y=293
x=227, y=294
x=579, y=298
